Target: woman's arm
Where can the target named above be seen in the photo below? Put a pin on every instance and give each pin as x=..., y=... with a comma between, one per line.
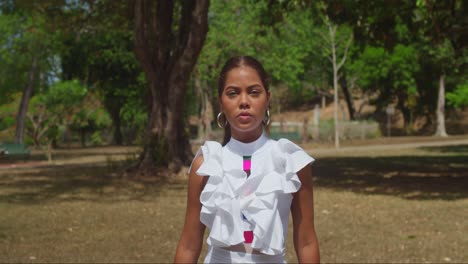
x=302, y=209
x=191, y=239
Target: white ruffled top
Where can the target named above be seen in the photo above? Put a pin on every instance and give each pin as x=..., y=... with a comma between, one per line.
x=264, y=197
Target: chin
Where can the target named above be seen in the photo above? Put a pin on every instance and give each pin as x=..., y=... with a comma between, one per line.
x=246, y=128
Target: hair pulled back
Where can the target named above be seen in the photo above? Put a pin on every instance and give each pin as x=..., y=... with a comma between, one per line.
x=236, y=62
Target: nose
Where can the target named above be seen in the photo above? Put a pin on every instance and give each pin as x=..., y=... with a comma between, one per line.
x=244, y=101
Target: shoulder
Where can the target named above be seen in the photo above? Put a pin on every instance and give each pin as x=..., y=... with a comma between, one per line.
x=208, y=159
x=210, y=148
x=196, y=163
x=287, y=145
x=294, y=156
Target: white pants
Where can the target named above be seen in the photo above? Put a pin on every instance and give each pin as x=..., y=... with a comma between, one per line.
x=219, y=255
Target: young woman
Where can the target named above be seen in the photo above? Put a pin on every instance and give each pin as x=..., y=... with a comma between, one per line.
x=244, y=189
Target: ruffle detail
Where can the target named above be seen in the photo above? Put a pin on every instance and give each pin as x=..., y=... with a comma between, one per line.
x=288, y=159
x=229, y=194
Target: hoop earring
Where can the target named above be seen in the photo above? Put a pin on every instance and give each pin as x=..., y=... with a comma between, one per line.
x=220, y=125
x=268, y=118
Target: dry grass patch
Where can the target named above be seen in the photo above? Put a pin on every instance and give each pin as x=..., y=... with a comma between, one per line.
x=407, y=206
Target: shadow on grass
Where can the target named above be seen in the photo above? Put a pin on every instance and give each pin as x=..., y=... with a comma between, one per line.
x=448, y=149
x=436, y=177
x=410, y=177
x=76, y=183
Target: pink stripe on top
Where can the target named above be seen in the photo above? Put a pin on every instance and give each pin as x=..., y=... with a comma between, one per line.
x=248, y=237
x=247, y=164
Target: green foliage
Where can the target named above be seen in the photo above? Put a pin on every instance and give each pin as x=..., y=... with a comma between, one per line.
x=371, y=67
x=103, y=57
x=289, y=47
x=90, y=116
x=403, y=63
x=233, y=28
x=393, y=71
x=281, y=35
x=400, y=50
x=459, y=97
x=25, y=35
x=8, y=112
x=53, y=109
x=12, y=69
x=63, y=95
x=96, y=138
x=133, y=112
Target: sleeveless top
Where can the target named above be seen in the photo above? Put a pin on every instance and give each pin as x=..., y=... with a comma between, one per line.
x=233, y=201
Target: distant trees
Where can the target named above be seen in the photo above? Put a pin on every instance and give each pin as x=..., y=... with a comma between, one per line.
x=146, y=61
x=27, y=49
x=53, y=109
x=459, y=97
x=66, y=105
x=443, y=27
x=98, y=50
x=402, y=48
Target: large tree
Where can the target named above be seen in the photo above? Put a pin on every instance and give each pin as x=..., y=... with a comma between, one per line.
x=169, y=36
x=444, y=28
x=98, y=51
x=336, y=48
x=428, y=34
x=26, y=50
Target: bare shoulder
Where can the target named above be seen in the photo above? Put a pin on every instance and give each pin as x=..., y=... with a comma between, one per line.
x=305, y=173
x=196, y=163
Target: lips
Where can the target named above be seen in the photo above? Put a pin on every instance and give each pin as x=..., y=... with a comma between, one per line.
x=244, y=114
x=244, y=117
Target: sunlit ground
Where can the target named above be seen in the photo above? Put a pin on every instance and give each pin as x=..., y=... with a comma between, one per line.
x=406, y=205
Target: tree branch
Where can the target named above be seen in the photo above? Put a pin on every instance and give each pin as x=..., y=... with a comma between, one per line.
x=345, y=52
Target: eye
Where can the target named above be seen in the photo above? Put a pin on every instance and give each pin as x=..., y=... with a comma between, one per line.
x=255, y=92
x=231, y=93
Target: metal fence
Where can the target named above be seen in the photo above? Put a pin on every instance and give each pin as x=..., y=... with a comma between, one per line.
x=325, y=130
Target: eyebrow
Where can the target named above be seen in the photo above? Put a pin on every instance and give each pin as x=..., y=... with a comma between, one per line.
x=248, y=87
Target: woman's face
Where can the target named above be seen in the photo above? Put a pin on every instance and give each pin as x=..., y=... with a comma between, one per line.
x=244, y=101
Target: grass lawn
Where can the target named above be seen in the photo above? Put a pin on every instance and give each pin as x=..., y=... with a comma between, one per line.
x=389, y=206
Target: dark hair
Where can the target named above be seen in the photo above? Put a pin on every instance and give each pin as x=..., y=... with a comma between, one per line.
x=232, y=63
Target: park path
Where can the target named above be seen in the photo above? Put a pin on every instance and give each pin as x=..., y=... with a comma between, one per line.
x=326, y=151
x=390, y=146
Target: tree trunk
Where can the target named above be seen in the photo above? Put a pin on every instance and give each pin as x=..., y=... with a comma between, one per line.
x=208, y=114
x=199, y=94
x=406, y=112
x=332, y=31
x=167, y=58
x=206, y=111
x=115, y=115
x=440, y=111
x=82, y=137
x=23, y=109
x=335, y=103
x=347, y=95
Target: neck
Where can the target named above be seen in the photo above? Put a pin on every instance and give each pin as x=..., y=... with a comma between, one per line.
x=247, y=137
